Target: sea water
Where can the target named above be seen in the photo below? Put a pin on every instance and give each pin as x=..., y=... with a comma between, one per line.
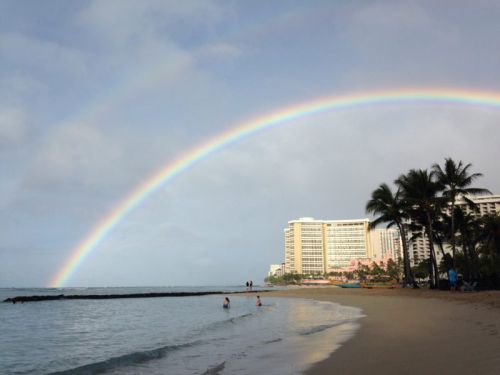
x=168, y=335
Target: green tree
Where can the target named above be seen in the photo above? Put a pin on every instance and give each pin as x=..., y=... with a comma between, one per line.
x=470, y=229
x=390, y=209
x=274, y=280
x=393, y=270
x=292, y=278
x=456, y=180
x=348, y=275
x=420, y=191
x=490, y=249
x=377, y=272
x=362, y=272
x=421, y=270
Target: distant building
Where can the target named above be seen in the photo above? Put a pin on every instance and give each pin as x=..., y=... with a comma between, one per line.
x=386, y=243
x=419, y=246
x=347, y=240
x=315, y=246
x=486, y=204
x=320, y=246
x=353, y=265
x=276, y=269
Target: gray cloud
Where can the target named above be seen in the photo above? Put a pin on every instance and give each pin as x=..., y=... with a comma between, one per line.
x=12, y=126
x=45, y=56
x=92, y=106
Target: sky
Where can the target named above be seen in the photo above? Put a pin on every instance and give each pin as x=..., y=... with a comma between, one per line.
x=96, y=96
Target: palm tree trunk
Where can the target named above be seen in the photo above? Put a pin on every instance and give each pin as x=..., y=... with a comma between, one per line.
x=433, y=262
x=466, y=259
x=474, y=260
x=440, y=246
x=409, y=279
x=453, y=242
x=470, y=257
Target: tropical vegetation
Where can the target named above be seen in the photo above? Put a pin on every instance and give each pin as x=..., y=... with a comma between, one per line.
x=423, y=203
x=376, y=272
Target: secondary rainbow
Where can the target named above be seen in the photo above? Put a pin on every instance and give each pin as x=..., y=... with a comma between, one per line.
x=247, y=128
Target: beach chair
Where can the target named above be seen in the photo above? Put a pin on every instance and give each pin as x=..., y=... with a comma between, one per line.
x=470, y=287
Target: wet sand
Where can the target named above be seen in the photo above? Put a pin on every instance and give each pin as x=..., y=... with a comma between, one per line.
x=414, y=331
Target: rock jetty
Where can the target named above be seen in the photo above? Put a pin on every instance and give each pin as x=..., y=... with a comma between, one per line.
x=59, y=297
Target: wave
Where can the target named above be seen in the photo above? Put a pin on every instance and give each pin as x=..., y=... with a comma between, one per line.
x=126, y=360
x=196, y=337
x=323, y=327
x=279, y=339
x=223, y=323
x=215, y=370
x=157, y=353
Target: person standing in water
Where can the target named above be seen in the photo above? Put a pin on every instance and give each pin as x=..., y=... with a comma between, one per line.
x=226, y=303
x=259, y=302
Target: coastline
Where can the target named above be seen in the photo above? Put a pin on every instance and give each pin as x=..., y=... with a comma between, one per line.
x=413, y=331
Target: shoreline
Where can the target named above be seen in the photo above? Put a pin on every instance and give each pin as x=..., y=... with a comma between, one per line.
x=413, y=331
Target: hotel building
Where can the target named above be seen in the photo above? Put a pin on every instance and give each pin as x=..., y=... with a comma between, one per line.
x=386, y=243
x=486, y=204
x=315, y=246
x=276, y=269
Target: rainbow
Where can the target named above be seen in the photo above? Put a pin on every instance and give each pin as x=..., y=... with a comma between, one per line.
x=248, y=128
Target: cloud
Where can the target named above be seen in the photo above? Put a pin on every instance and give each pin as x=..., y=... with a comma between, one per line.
x=316, y=162
x=77, y=154
x=30, y=53
x=121, y=22
x=13, y=126
x=18, y=86
x=417, y=43
x=394, y=15
x=219, y=52
x=121, y=88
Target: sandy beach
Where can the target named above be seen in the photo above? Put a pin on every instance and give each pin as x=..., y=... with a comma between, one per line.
x=414, y=331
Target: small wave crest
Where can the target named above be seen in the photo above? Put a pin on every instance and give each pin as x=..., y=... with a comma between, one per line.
x=215, y=370
x=279, y=339
x=126, y=360
x=223, y=323
x=322, y=327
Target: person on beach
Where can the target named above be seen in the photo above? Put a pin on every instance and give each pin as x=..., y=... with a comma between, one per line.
x=452, y=276
x=226, y=303
x=259, y=302
x=248, y=284
x=251, y=284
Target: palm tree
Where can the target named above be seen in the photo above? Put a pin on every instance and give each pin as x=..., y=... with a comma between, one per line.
x=420, y=190
x=469, y=228
x=441, y=233
x=391, y=210
x=491, y=232
x=456, y=180
x=490, y=248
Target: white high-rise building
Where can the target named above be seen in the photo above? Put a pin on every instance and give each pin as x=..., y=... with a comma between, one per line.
x=486, y=204
x=276, y=270
x=386, y=243
x=315, y=246
x=346, y=240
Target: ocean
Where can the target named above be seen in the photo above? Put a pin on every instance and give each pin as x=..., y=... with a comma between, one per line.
x=168, y=335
